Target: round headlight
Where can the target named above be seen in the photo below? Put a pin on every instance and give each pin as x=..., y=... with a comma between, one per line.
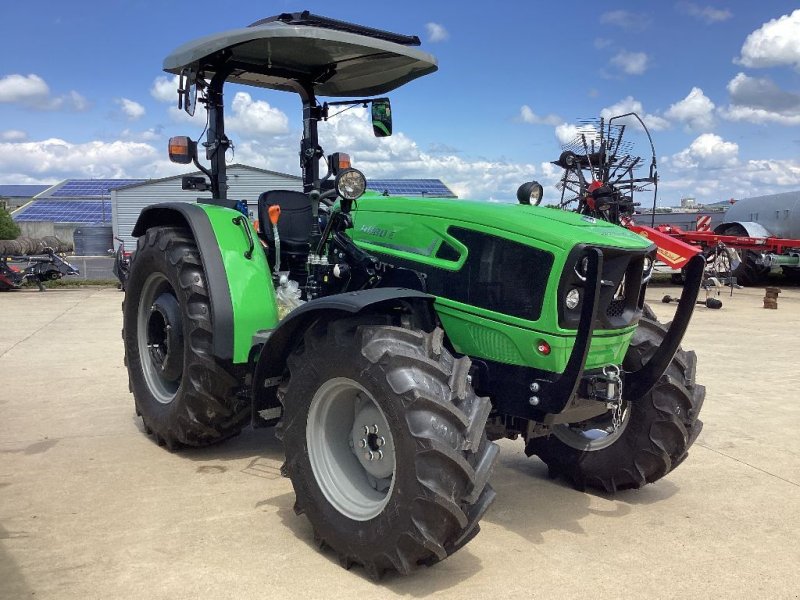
x=351, y=184
x=573, y=299
x=530, y=193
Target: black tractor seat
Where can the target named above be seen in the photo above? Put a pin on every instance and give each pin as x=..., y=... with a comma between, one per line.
x=294, y=229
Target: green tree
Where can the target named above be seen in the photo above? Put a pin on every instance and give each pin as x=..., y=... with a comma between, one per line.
x=8, y=229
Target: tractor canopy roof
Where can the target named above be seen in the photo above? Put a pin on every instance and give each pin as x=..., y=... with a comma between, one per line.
x=333, y=57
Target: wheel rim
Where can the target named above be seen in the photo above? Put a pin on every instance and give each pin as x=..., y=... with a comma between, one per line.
x=351, y=449
x=601, y=434
x=160, y=339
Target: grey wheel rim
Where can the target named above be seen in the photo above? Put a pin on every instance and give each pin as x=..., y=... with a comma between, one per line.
x=162, y=388
x=597, y=438
x=351, y=449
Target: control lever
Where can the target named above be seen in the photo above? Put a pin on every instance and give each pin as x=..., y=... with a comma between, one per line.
x=274, y=215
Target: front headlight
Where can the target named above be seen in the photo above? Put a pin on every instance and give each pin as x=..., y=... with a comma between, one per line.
x=351, y=184
x=573, y=299
x=530, y=193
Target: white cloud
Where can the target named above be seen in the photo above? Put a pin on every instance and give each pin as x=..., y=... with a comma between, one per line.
x=630, y=63
x=567, y=133
x=399, y=156
x=526, y=115
x=13, y=135
x=707, y=14
x=696, y=110
x=436, y=32
x=707, y=151
x=742, y=179
x=73, y=101
x=757, y=115
x=775, y=43
x=626, y=20
x=31, y=91
x=601, y=43
x=165, y=89
x=130, y=109
x=148, y=135
x=760, y=100
x=256, y=117
x=711, y=169
x=630, y=104
x=178, y=115
x=23, y=89
x=55, y=158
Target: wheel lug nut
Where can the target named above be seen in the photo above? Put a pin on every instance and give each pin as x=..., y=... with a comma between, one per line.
x=380, y=441
x=380, y=454
x=375, y=429
x=366, y=430
x=369, y=455
x=362, y=443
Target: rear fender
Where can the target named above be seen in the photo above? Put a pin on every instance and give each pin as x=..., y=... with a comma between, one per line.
x=751, y=229
x=276, y=345
x=238, y=278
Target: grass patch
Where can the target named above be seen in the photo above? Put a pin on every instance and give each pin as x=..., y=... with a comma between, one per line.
x=70, y=282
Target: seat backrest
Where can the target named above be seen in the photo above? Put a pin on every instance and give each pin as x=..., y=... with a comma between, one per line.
x=294, y=225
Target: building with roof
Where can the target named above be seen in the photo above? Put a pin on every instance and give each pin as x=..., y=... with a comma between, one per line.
x=14, y=196
x=61, y=208
x=245, y=183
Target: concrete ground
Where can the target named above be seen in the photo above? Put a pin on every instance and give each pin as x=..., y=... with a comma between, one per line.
x=90, y=507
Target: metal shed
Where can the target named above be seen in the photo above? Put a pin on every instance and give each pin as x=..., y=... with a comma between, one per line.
x=246, y=183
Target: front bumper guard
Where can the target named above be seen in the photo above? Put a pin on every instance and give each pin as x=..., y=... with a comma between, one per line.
x=560, y=391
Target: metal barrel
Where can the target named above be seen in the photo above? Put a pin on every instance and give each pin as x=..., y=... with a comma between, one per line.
x=93, y=240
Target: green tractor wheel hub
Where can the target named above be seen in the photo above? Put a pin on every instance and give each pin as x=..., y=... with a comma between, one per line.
x=160, y=337
x=351, y=449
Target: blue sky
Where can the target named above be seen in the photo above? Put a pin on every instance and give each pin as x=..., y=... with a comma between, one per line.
x=82, y=93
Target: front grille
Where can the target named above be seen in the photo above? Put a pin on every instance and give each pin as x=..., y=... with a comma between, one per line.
x=620, y=291
x=616, y=308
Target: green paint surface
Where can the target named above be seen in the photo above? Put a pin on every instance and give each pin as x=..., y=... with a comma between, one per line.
x=414, y=229
x=249, y=280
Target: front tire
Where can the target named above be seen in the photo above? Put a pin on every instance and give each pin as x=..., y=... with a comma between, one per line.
x=184, y=395
x=653, y=437
x=357, y=388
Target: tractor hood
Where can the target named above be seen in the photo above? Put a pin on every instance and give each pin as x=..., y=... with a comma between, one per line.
x=277, y=55
x=557, y=227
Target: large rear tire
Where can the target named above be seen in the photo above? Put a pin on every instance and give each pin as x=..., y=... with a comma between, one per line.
x=653, y=437
x=385, y=444
x=184, y=395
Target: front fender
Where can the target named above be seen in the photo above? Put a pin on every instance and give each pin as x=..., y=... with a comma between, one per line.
x=240, y=287
x=284, y=338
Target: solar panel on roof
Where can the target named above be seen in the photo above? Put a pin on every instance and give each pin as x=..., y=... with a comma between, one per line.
x=91, y=188
x=64, y=211
x=433, y=188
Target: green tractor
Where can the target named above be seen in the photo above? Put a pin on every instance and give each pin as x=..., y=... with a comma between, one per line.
x=421, y=330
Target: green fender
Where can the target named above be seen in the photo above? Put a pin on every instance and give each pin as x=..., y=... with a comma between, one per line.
x=238, y=278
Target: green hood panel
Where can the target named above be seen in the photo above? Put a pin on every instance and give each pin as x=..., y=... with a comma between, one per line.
x=553, y=226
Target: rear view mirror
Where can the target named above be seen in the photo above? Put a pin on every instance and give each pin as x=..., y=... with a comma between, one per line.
x=381, y=117
x=182, y=150
x=187, y=92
